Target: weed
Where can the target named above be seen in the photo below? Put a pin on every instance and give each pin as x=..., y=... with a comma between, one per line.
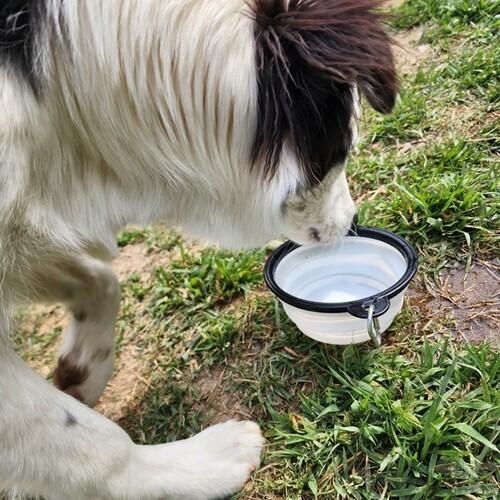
x=205, y=280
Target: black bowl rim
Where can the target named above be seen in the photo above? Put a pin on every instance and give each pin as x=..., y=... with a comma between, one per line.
x=355, y=307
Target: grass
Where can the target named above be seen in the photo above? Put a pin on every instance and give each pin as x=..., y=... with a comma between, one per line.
x=447, y=17
x=468, y=34
x=442, y=190
x=203, y=281
x=154, y=240
x=417, y=418
x=393, y=421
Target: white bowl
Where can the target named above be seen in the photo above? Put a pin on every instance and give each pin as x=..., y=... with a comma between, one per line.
x=347, y=293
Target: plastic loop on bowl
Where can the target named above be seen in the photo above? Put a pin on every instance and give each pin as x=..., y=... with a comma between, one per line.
x=374, y=326
x=380, y=305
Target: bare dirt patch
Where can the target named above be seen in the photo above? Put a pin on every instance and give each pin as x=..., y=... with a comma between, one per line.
x=136, y=259
x=393, y=4
x=471, y=298
x=409, y=52
x=43, y=319
x=126, y=385
x=216, y=399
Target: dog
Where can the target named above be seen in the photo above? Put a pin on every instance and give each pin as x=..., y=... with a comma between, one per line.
x=232, y=119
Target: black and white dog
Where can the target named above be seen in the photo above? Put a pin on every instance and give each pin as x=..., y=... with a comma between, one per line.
x=230, y=118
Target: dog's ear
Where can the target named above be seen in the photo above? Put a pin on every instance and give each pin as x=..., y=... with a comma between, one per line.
x=380, y=85
x=311, y=54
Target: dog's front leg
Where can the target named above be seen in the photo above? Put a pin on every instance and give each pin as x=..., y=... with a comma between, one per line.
x=54, y=446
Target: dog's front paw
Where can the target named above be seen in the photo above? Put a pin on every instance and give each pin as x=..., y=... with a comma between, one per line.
x=213, y=464
x=232, y=451
x=223, y=457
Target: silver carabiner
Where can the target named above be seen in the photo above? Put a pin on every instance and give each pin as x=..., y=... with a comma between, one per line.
x=374, y=327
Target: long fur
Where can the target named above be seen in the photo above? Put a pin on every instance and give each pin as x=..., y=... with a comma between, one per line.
x=227, y=119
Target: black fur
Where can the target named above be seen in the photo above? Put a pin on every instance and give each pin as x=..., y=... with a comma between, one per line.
x=21, y=23
x=310, y=54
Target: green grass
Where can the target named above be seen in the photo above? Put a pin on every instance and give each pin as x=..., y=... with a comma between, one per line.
x=419, y=424
x=441, y=191
x=410, y=121
x=206, y=280
x=448, y=17
x=417, y=418
x=154, y=240
x=467, y=32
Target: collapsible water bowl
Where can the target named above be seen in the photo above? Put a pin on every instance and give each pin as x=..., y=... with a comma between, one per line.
x=343, y=294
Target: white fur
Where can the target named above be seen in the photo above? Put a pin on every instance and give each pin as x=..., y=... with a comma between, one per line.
x=148, y=118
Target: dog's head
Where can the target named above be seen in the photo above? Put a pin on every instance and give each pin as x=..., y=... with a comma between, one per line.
x=230, y=118
x=313, y=59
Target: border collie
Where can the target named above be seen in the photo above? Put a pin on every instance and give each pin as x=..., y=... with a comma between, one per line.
x=232, y=119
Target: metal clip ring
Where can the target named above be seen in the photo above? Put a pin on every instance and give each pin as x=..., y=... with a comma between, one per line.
x=374, y=327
